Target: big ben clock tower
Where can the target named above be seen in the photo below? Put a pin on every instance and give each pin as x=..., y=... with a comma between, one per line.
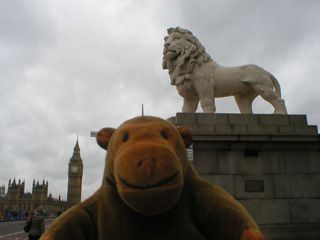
x=75, y=173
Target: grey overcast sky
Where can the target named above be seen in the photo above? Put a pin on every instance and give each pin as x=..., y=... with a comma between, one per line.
x=70, y=67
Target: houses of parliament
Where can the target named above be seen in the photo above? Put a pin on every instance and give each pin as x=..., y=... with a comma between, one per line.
x=17, y=200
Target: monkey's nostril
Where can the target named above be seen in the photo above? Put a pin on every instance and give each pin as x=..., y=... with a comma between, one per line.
x=139, y=163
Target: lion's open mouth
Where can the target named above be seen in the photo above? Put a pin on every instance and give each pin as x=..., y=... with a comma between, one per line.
x=171, y=51
x=159, y=184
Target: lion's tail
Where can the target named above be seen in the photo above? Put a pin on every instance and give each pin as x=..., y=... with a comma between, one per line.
x=276, y=85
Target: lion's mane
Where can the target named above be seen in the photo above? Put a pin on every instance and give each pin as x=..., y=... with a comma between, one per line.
x=180, y=68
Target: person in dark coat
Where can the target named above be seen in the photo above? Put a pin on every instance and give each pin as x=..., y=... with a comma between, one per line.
x=37, y=226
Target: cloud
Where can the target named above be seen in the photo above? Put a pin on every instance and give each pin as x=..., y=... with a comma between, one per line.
x=68, y=68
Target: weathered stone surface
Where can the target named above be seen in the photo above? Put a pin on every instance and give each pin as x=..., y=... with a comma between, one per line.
x=206, y=162
x=291, y=231
x=297, y=186
x=266, y=163
x=268, y=211
x=243, y=119
x=281, y=151
x=286, y=129
x=306, y=130
x=224, y=128
x=298, y=120
x=302, y=162
x=186, y=118
x=206, y=128
x=263, y=129
x=212, y=118
x=305, y=210
x=240, y=129
x=267, y=119
x=240, y=186
x=245, y=124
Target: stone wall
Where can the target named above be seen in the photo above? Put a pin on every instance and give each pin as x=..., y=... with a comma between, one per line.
x=269, y=163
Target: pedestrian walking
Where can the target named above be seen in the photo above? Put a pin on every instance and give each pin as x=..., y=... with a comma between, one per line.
x=37, y=224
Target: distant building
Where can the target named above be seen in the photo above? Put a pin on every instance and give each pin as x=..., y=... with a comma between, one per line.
x=17, y=199
x=75, y=173
x=2, y=191
x=2, y=194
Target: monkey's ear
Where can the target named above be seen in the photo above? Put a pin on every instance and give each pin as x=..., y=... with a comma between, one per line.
x=186, y=136
x=103, y=137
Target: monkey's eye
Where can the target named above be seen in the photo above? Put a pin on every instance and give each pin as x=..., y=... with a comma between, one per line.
x=125, y=137
x=164, y=134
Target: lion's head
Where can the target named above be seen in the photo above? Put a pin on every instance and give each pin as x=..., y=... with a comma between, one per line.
x=181, y=51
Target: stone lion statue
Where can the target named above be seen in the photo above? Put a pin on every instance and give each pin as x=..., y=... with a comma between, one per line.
x=199, y=78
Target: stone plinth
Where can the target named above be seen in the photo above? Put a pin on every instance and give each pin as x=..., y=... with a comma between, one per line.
x=269, y=163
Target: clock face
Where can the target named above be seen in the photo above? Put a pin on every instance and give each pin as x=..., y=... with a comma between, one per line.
x=74, y=168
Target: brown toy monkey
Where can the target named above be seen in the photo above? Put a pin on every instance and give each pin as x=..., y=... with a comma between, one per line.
x=150, y=190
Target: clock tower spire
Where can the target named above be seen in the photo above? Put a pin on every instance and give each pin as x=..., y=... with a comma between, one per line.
x=75, y=173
